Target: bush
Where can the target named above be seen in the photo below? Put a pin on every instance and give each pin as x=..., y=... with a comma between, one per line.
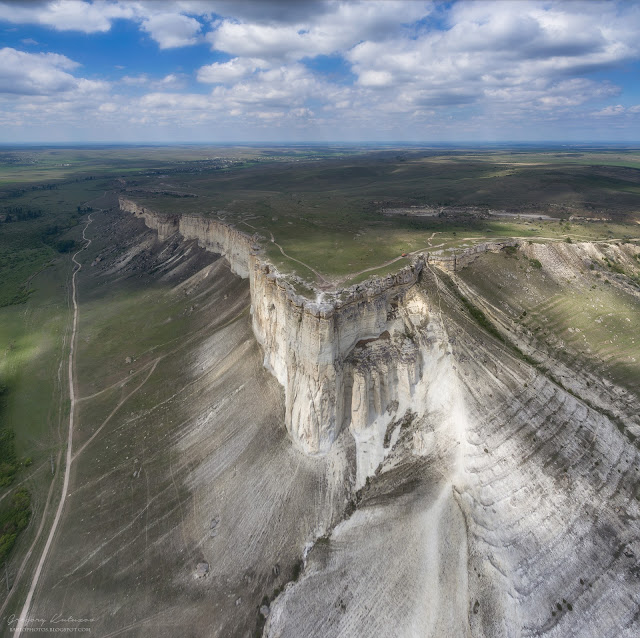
x=65, y=245
x=535, y=263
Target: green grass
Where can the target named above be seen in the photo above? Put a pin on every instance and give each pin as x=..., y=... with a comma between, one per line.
x=585, y=322
x=31, y=349
x=14, y=517
x=34, y=273
x=29, y=245
x=324, y=205
x=8, y=464
x=329, y=214
x=479, y=317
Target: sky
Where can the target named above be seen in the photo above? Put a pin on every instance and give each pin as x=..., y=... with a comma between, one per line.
x=225, y=71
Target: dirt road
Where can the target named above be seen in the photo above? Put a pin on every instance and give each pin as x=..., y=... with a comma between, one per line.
x=72, y=397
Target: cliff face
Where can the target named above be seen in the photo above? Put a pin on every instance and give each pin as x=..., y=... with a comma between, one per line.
x=342, y=363
x=318, y=351
x=211, y=234
x=467, y=256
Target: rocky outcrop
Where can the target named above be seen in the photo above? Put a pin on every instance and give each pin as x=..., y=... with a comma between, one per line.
x=353, y=358
x=470, y=492
x=308, y=347
x=467, y=256
x=307, y=343
x=210, y=234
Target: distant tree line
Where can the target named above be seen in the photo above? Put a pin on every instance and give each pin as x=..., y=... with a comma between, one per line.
x=10, y=214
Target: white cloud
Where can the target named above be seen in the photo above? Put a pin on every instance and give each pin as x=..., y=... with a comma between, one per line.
x=170, y=81
x=231, y=71
x=284, y=88
x=485, y=64
x=35, y=73
x=375, y=78
x=67, y=15
x=617, y=110
x=504, y=52
x=174, y=105
x=165, y=22
x=108, y=107
x=135, y=80
x=339, y=28
x=172, y=30
x=258, y=40
x=608, y=111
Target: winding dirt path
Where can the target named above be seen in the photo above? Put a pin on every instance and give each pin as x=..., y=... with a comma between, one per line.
x=325, y=283
x=67, y=472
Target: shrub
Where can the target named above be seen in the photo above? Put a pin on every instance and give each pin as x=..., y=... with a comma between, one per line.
x=65, y=245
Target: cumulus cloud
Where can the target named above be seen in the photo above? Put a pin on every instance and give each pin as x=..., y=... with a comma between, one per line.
x=24, y=73
x=505, y=51
x=272, y=11
x=231, y=71
x=172, y=30
x=396, y=63
x=170, y=81
x=66, y=15
x=165, y=22
x=338, y=28
x=611, y=110
x=617, y=110
x=286, y=88
x=168, y=101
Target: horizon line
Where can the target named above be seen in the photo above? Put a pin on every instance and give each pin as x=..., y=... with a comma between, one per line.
x=330, y=142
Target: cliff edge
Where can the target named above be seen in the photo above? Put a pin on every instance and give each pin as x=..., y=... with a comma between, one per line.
x=350, y=359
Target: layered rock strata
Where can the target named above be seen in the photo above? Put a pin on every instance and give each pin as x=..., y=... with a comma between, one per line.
x=351, y=359
x=307, y=344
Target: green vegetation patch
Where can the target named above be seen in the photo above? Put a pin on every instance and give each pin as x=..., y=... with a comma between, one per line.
x=13, y=519
x=8, y=462
x=583, y=321
x=339, y=210
x=35, y=224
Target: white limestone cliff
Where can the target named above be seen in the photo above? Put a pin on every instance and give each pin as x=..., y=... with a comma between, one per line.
x=308, y=345
x=353, y=361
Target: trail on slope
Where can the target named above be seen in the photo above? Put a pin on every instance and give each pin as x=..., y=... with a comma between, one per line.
x=65, y=487
x=324, y=282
